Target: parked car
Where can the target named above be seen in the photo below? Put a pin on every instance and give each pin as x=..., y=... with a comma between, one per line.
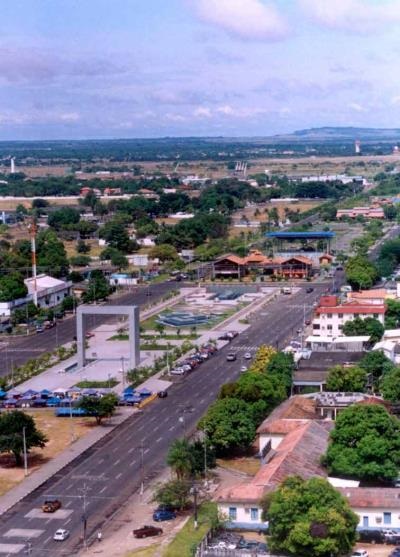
x=231, y=357
x=225, y=336
x=61, y=535
x=161, y=515
x=177, y=371
x=39, y=330
x=243, y=369
x=371, y=536
x=147, y=531
x=309, y=290
x=360, y=553
x=162, y=394
x=247, y=356
x=233, y=334
x=51, y=506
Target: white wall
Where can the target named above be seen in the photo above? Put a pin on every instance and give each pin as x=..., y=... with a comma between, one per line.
x=332, y=326
x=375, y=518
x=243, y=513
x=264, y=438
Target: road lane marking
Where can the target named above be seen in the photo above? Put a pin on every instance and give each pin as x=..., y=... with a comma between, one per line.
x=146, y=451
x=119, y=475
x=47, y=540
x=171, y=428
x=117, y=462
x=132, y=463
x=68, y=521
x=103, y=489
x=131, y=450
x=101, y=461
x=159, y=439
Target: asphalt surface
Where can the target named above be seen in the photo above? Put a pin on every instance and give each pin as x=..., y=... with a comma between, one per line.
x=16, y=351
x=111, y=470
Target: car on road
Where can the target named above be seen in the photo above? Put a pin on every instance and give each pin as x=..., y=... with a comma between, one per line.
x=39, y=330
x=225, y=336
x=360, y=553
x=163, y=514
x=147, y=531
x=51, y=506
x=61, y=535
x=243, y=369
x=395, y=552
x=309, y=290
x=231, y=357
x=162, y=394
x=247, y=356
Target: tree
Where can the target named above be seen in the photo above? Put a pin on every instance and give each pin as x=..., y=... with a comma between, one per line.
x=309, y=517
x=65, y=217
x=12, y=425
x=69, y=303
x=116, y=257
x=390, y=212
x=199, y=454
x=98, y=288
x=160, y=328
x=281, y=366
x=229, y=425
x=360, y=272
x=392, y=315
x=174, y=494
x=81, y=247
x=51, y=254
x=348, y=379
x=179, y=458
x=368, y=326
x=164, y=252
x=116, y=236
x=99, y=407
x=262, y=357
x=376, y=364
x=39, y=203
x=12, y=287
x=80, y=260
x=365, y=444
x=390, y=385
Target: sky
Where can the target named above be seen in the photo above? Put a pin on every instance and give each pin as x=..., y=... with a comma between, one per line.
x=76, y=69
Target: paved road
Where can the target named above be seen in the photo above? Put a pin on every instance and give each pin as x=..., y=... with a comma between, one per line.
x=14, y=352
x=111, y=469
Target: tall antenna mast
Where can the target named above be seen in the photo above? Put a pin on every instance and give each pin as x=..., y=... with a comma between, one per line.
x=33, y=231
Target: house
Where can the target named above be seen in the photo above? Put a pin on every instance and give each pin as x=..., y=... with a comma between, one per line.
x=376, y=508
x=330, y=315
x=366, y=212
x=369, y=297
x=299, y=453
x=329, y=404
x=122, y=279
x=325, y=259
x=391, y=349
x=337, y=344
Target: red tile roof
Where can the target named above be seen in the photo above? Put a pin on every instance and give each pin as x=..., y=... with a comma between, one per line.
x=294, y=408
x=353, y=308
x=283, y=426
x=298, y=454
x=372, y=497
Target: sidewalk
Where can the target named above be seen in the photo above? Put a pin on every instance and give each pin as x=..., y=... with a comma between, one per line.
x=40, y=476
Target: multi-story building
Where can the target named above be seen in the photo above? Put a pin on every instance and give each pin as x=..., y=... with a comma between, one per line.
x=330, y=316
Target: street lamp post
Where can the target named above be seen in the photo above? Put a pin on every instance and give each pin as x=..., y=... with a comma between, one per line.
x=72, y=433
x=195, y=492
x=84, y=491
x=183, y=423
x=123, y=371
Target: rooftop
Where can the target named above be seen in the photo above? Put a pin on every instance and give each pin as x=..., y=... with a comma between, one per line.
x=370, y=497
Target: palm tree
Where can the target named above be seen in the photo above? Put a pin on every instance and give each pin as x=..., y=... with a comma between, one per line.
x=179, y=458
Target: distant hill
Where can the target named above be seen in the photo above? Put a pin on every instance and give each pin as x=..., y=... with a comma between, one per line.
x=332, y=133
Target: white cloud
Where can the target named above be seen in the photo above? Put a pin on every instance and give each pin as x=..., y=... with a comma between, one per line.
x=202, y=112
x=357, y=16
x=69, y=117
x=357, y=107
x=247, y=19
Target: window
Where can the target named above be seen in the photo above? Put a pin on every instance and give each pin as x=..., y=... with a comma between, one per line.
x=232, y=513
x=254, y=514
x=387, y=518
x=340, y=315
x=316, y=326
x=329, y=315
x=329, y=327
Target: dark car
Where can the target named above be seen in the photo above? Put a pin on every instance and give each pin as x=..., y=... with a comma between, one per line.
x=51, y=506
x=147, y=531
x=225, y=336
x=161, y=515
x=309, y=290
x=162, y=394
x=371, y=536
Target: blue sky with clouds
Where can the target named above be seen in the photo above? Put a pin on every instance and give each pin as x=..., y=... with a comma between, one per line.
x=148, y=68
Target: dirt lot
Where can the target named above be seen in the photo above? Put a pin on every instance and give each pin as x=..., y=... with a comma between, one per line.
x=58, y=431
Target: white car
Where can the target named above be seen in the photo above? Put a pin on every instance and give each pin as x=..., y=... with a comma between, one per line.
x=360, y=553
x=243, y=369
x=178, y=371
x=61, y=535
x=247, y=356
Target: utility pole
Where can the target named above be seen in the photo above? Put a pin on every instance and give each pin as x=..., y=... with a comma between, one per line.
x=123, y=371
x=84, y=491
x=28, y=550
x=194, y=492
x=141, y=469
x=25, y=452
x=72, y=433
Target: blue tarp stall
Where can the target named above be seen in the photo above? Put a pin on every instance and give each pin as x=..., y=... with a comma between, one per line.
x=14, y=393
x=129, y=390
x=2, y=393
x=68, y=412
x=134, y=399
x=30, y=393
x=53, y=401
x=45, y=393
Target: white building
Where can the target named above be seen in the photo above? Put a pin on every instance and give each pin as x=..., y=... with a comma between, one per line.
x=50, y=291
x=330, y=316
x=376, y=507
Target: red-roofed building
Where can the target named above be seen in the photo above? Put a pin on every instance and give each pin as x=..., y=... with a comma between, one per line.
x=376, y=507
x=330, y=315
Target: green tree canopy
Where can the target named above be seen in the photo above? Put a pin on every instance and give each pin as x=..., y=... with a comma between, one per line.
x=179, y=458
x=390, y=385
x=51, y=254
x=115, y=234
x=174, y=493
x=281, y=366
x=12, y=287
x=11, y=434
x=98, y=287
x=351, y=379
x=99, y=408
x=375, y=363
x=229, y=425
x=368, y=326
x=164, y=252
x=65, y=217
x=310, y=518
x=360, y=272
x=365, y=444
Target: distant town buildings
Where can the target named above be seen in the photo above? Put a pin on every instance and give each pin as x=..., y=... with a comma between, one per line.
x=366, y=212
